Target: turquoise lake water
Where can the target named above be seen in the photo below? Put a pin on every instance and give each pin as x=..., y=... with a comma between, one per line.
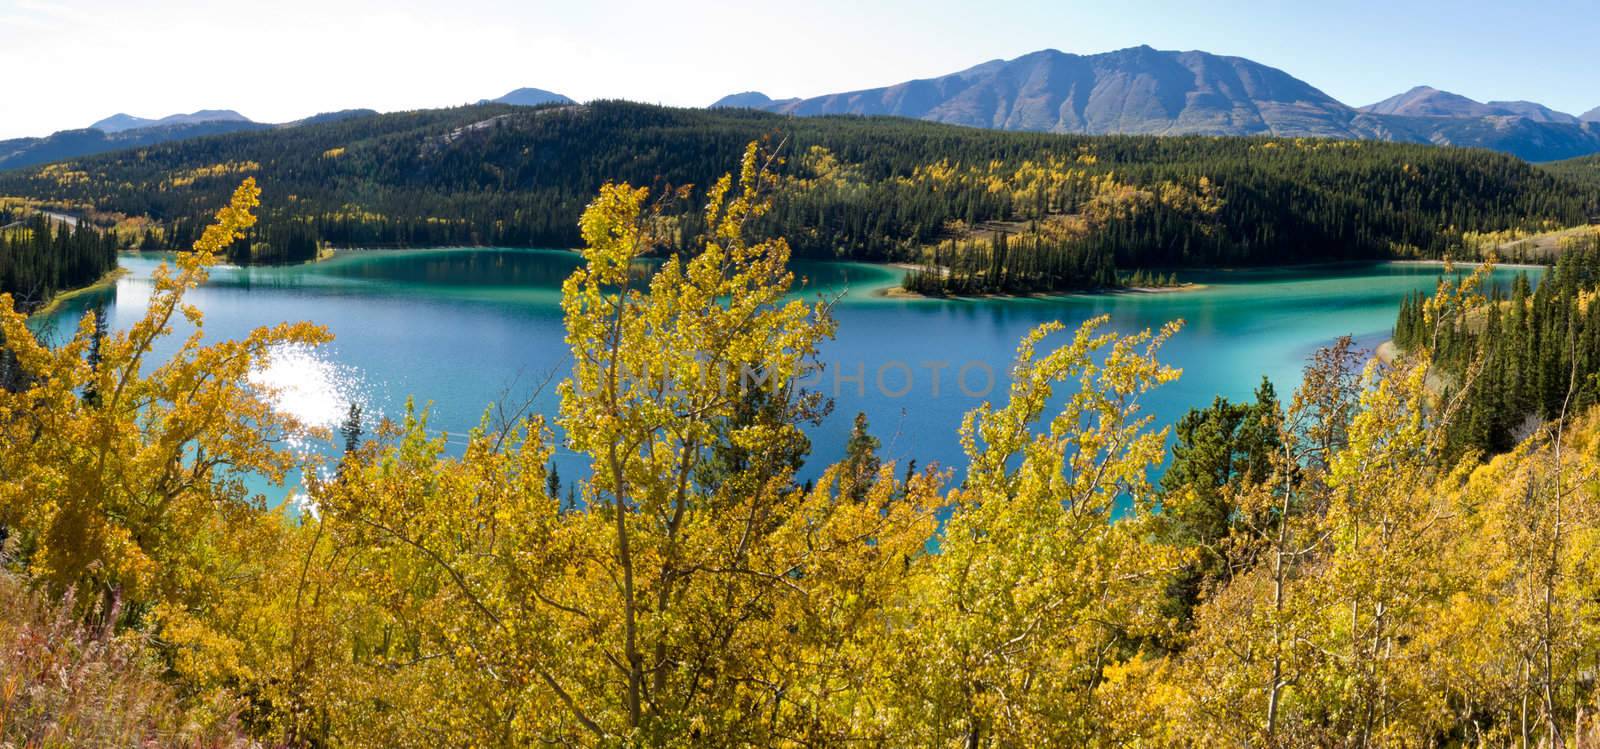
x=461, y=328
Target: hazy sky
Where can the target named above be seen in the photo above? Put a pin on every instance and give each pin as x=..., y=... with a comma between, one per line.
x=67, y=63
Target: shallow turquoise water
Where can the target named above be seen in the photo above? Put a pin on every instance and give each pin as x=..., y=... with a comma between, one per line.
x=461, y=328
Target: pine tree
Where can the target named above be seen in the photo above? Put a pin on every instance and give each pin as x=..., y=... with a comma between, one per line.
x=91, y=392
x=351, y=428
x=860, y=465
x=552, y=482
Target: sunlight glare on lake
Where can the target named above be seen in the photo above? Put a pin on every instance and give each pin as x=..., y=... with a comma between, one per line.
x=307, y=384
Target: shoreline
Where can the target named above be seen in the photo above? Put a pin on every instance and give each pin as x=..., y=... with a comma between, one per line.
x=323, y=255
x=900, y=292
x=1471, y=263
x=886, y=291
x=1387, y=352
x=104, y=282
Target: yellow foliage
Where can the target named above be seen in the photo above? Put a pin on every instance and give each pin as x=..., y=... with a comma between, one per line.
x=690, y=591
x=118, y=491
x=63, y=173
x=189, y=176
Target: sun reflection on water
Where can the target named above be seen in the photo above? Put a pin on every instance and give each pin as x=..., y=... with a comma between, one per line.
x=308, y=385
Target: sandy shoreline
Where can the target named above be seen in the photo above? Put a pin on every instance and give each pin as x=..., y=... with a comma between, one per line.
x=1387, y=352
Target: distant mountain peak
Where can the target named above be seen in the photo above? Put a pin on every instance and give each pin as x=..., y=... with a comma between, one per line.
x=119, y=122
x=1133, y=90
x=1146, y=91
x=529, y=97
x=1592, y=115
x=122, y=122
x=1427, y=101
x=742, y=100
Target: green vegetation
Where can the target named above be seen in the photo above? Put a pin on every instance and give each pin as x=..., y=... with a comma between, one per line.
x=1584, y=170
x=70, y=679
x=40, y=257
x=1010, y=266
x=1321, y=571
x=862, y=188
x=1525, y=357
x=1218, y=451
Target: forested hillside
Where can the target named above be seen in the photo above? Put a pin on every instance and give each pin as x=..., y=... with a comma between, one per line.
x=1583, y=171
x=1528, y=355
x=871, y=189
x=67, y=144
x=40, y=257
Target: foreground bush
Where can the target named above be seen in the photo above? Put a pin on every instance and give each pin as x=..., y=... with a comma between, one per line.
x=64, y=683
x=1314, y=573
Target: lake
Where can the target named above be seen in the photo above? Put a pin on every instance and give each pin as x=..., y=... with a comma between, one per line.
x=461, y=328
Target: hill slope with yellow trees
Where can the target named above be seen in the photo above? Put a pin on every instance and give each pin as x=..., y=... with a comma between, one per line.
x=1312, y=572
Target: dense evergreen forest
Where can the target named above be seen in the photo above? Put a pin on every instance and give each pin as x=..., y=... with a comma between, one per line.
x=860, y=188
x=1527, y=355
x=1006, y=266
x=40, y=257
x=1584, y=171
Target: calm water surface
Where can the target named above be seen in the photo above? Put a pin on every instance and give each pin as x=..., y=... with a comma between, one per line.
x=461, y=328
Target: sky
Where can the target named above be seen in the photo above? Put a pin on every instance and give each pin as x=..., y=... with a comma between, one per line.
x=68, y=63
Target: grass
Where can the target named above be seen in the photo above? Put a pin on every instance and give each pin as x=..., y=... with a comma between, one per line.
x=70, y=678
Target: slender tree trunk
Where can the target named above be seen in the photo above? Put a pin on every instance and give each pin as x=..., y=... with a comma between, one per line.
x=1526, y=667
x=1553, y=563
x=634, y=663
x=629, y=607
x=1279, y=574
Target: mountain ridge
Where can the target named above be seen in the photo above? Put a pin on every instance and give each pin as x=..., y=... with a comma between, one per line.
x=17, y=153
x=1145, y=91
x=1138, y=90
x=746, y=100
x=1427, y=101
x=529, y=97
x=123, y=122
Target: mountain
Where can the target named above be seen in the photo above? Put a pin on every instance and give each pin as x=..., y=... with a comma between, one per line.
x=1521, y=137
x=1147, y=91
x=748, y=100
x=1592, y=115
x=1426, y=101
x=1526, y=129
x=1130, y=91
x=72, y=144
x=122, y=131
x=1533, y=111
x=529, y=97
x=118, y=123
